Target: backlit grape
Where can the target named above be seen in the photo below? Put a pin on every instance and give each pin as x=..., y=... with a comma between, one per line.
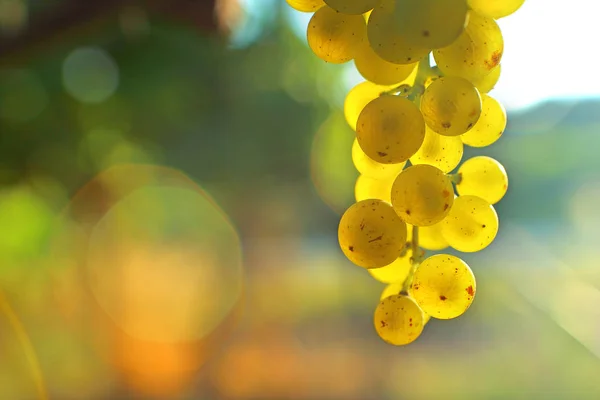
x=495, y=8
x=377, y=70
x=489, y=127
x=488, y=82
x=431, y=238
x=352, y=6
x=373, y=188
x=358, y=97
x=306, y=5
x=483, y=177
x=397, y=271
x=398, y=320
x=471, y=225
x=443, y=152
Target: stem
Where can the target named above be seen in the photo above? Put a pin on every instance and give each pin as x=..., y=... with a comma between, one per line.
x=455, y=178
x=415, y=260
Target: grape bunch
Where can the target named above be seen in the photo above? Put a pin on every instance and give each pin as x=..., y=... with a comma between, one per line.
x=412, y=121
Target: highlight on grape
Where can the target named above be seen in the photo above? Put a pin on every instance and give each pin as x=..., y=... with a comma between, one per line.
x=412, y=121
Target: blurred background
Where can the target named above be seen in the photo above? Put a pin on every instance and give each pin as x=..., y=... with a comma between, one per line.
x=171, y=177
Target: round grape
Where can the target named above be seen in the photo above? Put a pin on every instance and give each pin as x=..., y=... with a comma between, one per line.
x=443, y=286
x=431, y=238
x=495, y=8
x=377, y=70
x=393, y=289
x=371, y=188
x=306, y=5
x=483, y=177
x=488, y=82
x=471, y=225
x=443, y=152
x=358, y=97
x=371, y=235
x=397, y=271
x=451, y=106
x=352, y=6
x=334, y=37
x=398, y=320
x=371, y=168
x=390, y=129
x=422, y=195
x=491, y=124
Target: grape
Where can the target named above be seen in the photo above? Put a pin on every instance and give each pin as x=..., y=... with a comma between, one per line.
x=373, y=169
x=443, y=152
x=443, y=286
x=431, y=238
x=306, y=5
x=422, y=195
x=398, y=320
x=475, y=53
x=483, y=177
x=334, y=37
x=352, y=6
x=358, y=97
x=471, y=225
x=371, y=188
x=451, y=106
x=386, y=39
x=392, y=289
x=431, y=24
x=377, y=70
x=495, y=8
x=390, y=129
x=397, y=271
x=488, y=82
x=370, y=234
x=491, y=124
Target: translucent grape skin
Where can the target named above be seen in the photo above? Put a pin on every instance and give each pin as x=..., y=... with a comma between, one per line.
x=397, y=271
x=306, y=5
x=372, y=188
x=444, y=286
x=495, y=8
x=393, y=289
x=451, y=106
x=422, y=195
x=490, y=126
x=476, y=52
x=370, y=234
x=390, y=129
x=483, y=177
x=377, y=70
x=398, y=320
x=431, y=238
x=354, y=7
x=488, y=82
x=333, y=36
x=443, y=152
x=471, y=225
x=371, y=168
x=358, y=97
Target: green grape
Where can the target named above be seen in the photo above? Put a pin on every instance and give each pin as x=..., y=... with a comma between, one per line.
x=386, y=39
x=431, y=24
x=495, y=8
x=488, y=82
x=431, y=238
x=334, y=37
x=371, y=235
x=373, y=169
x=352, y=6
x=397, y=271
x=443, y=286
x=471, y=225
x=306, y=5
x=451, y=106
x=491, y=124
x=358, y=97
x=398, y=320
x=377, y=70
x=371, y=188
x=392, y=289
x=443, y=152
x=483, y=177
x=422, y=195
x=390, y=129
x=475, y=53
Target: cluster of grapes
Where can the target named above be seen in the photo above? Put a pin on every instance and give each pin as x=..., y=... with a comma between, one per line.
x=407, y=111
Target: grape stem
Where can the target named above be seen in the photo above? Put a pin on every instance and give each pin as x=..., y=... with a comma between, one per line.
x=414, y=92
x=415, y=260
x=455, y=178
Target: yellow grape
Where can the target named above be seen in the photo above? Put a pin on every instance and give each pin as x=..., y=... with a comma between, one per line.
x=306, y=5
x=386, y=39
x=367, y=15
x=443, y=152
x=483, y=177
x=431, y=238
x=390, y=129
x=471, y=225
x=488, y=82
x=398, y=320
x=373, y=169
x=443, y=286
x=371, y=188
x=491, y=124
x=431, y=24
x=352, y=6
x=495, y=8
x=392, y=289
x=371, y=235
x=475, y=53
x=377, y=70
x=422, y=195
x=451, y=106
x=397, y=271
x=334, y=37
x=358, y=97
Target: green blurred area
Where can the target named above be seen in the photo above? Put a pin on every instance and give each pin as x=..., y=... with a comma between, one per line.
x=259, y=126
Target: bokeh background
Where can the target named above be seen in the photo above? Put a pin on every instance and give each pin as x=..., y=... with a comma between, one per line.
x=171, y=178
